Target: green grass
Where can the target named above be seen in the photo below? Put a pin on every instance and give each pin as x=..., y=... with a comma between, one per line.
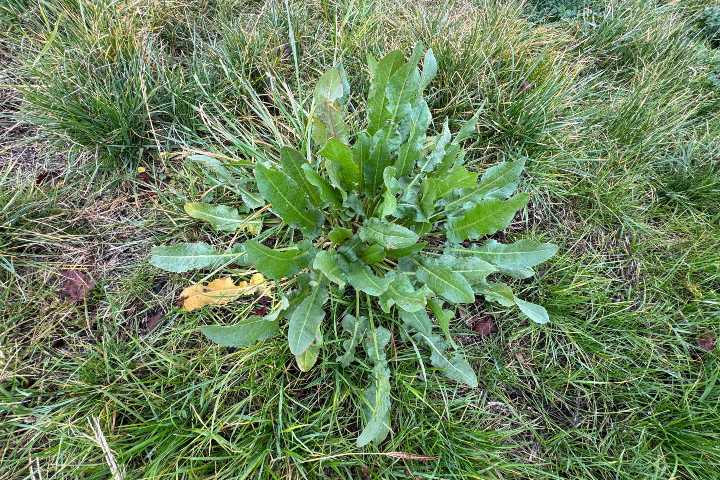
x=613, y=103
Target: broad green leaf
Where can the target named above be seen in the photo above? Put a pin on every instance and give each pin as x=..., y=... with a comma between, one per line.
x=372, y=254
x=438, y=152
x=362, y=278
x=328, y=195
x=244, y=333
x=498, y=181
x=472, y=268
x=501, y=180
x=326, y=120
x=389, y=235
x=356, y=327
x=287, y=199
x=292, y=163
x=338, y=235
x=306, y=319
x=485, y=218
x=401, y=93
x=534, y=312
x=450, y=285
x=455, y=367
x=497, y=292
x=407, y=251
x=502, y=293
x=376, y=398
x=443, y=318
x=194, y=256
x=437, y=187
x=307, y=359
x=342, y=169
x=377, y=101
x=468, y=128
x=392, y=188
x=373, y=155
x=278, y=263
x=402, y=293
x=418, y=321
x=223, y=218
x=429, y=69
x=409, y=153
x=326, y=262
x=515, y=259
x=376, y=408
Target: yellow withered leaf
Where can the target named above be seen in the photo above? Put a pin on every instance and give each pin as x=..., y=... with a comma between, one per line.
x=222, y=291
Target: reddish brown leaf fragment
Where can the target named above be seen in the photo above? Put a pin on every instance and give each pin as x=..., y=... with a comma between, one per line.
x=707, y=342
x=75, y=285
x=153, y=319
x=484, y=326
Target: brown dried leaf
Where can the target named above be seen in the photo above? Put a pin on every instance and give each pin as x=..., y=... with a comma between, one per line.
x=484, y=326
x=153, y=319
x=222, y=291
x=707, y=342
x=75, y=285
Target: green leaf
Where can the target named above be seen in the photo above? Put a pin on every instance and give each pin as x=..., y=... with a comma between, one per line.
x=441, y=142
x=456, y=367
x=361, y=277
x=392, y=188
x=288, y=199
x=534, y=312
x=223, y=218
x=377, y=101
x=474, y=269
x=501, y=180
x=193, y=256
x=342, y=169
x=497, y=292
x=306, y=319
x=242, y=334
x=376, y=398
x=407, y=251
x=450, y=285
x=389, y=235
x=226, y=179
x=338, y=235
x=292, y=163
x=356, y=327
x=429, y=70
x=372, y=154
x=276, y=264
x=409, y=153
x=438, y=187
x=328, y=195
x=307, y=359
x=372, y=254
x=485, y=218
x=418, y=321
x=515, y=259
x=326, y=262
x=402, y=293
x=468, y=128
x=443, y=318
x=326, y=120
x=502, y=293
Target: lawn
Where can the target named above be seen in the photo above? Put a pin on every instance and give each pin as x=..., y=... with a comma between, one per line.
x=614, y=105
